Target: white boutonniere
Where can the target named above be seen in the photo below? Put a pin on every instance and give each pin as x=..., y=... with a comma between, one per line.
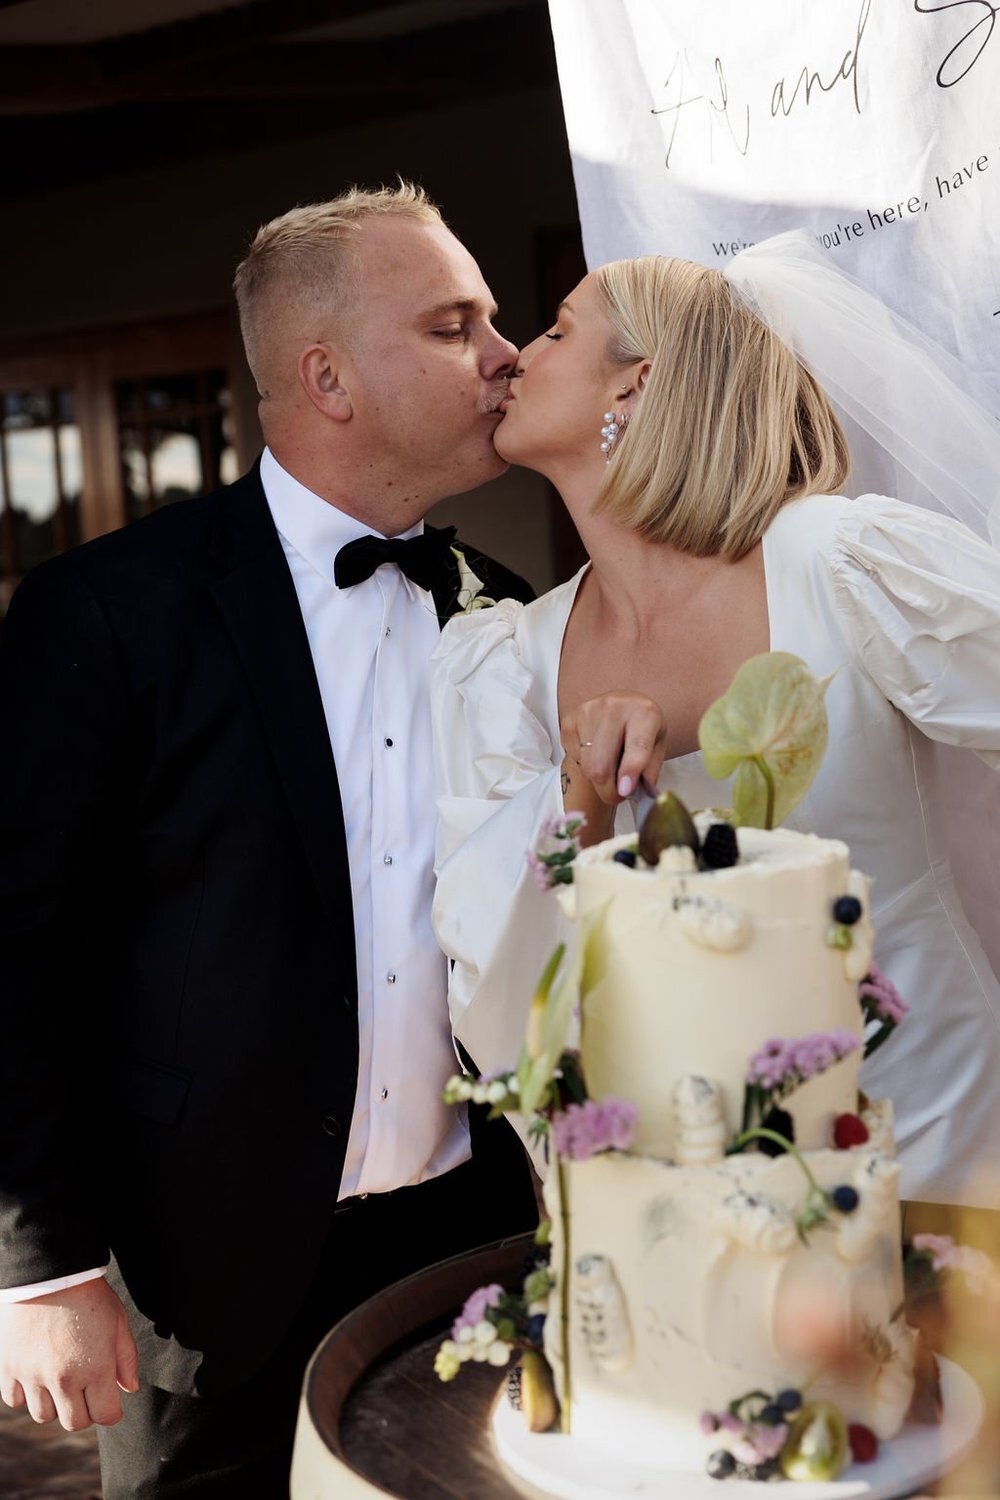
x=470, y=588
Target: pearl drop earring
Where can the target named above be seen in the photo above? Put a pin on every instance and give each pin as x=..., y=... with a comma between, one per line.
x=615, y=425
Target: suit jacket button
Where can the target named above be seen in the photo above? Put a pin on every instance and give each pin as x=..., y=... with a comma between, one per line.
x=331, y=1125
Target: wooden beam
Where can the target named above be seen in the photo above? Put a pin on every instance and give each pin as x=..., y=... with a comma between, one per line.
x=275, y=94
x=206, y=57
x=248, y=25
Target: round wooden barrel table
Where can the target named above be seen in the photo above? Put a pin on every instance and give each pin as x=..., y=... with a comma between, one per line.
x=374, y=1419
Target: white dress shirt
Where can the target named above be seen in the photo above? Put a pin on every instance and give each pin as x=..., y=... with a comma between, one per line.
x=371, y=646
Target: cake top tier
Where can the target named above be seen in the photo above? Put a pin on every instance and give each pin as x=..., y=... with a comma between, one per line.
x=701, y=968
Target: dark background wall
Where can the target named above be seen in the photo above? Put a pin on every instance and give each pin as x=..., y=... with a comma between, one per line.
x=146, y=142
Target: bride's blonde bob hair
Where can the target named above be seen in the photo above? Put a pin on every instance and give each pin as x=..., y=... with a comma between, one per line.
x=729, y=426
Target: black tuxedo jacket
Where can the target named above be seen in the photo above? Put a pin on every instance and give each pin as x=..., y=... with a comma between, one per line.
x=178, y=1007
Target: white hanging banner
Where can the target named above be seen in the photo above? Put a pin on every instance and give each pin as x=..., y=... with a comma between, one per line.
x=698, y=127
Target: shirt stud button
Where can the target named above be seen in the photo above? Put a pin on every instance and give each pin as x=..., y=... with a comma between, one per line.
x=388, y=742
x=387, y=860
x=385, y=1094
x=391, y=977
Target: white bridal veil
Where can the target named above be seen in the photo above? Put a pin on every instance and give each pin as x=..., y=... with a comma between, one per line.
x=917, y=426
x=918, y=429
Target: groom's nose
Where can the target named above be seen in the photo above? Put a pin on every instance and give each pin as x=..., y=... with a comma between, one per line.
x=500, y=358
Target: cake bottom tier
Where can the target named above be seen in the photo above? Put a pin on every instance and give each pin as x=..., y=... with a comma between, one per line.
x=686, y=1283
x=568, y=1469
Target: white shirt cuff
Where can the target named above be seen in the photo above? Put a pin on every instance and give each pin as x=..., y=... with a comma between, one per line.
x=42, y=1288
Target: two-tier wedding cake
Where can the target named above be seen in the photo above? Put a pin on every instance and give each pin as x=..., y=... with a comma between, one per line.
x=718, y=991
x=724, y=1294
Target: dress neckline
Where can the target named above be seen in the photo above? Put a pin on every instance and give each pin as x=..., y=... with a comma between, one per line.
x=572, y=587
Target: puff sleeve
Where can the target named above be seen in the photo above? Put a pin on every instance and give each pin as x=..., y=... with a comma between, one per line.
x=498, y=779
x=919, y=598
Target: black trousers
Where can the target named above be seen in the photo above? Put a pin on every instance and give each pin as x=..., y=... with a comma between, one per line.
x=238, y=1446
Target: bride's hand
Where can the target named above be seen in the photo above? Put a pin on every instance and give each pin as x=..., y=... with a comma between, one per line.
x=616, y=739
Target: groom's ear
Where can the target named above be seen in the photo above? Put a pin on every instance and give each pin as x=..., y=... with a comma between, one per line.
x=319, y=378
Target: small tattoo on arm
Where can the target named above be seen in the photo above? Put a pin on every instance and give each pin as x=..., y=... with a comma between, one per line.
x=565, y=781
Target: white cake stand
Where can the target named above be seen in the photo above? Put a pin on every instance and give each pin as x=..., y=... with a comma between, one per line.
x=567, y=1468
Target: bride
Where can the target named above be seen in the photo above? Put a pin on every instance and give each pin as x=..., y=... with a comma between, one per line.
x=703, y=466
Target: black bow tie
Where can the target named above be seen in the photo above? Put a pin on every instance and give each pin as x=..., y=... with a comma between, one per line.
x=422, y=558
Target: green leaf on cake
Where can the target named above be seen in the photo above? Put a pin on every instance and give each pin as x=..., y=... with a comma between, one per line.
x=534, y=1070
x=594, y=948
x=556, y=999
x=771, y=729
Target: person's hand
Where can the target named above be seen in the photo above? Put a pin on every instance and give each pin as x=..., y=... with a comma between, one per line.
x=616, y=739
x=68, y=1355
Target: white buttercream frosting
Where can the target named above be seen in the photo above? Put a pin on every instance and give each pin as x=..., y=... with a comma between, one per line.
x=690, y=987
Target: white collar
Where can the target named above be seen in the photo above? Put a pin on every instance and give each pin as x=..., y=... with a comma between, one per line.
x=316, y=528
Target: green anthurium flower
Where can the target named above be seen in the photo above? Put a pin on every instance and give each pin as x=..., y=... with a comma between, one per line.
x=771, y=729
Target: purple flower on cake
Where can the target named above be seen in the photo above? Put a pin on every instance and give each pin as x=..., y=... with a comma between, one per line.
x=759, y=1442
x=551, y=861
x=780, y=1066
x=886, y=1001
x=945, y=1255
x=881, y=1003
x=769, y=1065
x=582, y=1130
x=814, y=1054
x=474, y=1310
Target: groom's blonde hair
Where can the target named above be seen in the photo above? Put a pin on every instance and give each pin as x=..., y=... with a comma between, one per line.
x=729, y=427
x=304, y=262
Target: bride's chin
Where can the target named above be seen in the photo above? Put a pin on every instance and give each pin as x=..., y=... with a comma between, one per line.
x=506, y=448
x=511, y=450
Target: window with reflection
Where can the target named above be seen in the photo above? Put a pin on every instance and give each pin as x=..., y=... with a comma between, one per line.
x=41, y=475
x=176, y=438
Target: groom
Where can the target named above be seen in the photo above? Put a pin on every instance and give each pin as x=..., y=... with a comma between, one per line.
x=223, y=1023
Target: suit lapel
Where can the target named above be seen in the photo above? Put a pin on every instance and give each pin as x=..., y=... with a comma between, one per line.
x=257, y=600
x=446, y=590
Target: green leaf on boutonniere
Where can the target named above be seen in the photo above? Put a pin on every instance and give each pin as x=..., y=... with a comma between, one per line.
x=771, y=729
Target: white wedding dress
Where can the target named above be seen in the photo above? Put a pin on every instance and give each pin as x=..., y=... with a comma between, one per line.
x=904, y=607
